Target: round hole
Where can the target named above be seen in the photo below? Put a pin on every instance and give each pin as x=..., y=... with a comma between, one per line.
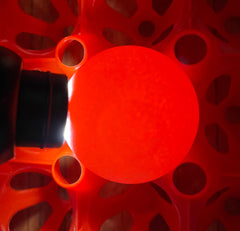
x=232, y=206
x=71, y=53
x=146, y=28
x=232, y=25
x=189, y=178
x=190, y=49
x=67, y=170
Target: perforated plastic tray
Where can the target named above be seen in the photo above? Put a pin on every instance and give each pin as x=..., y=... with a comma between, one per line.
x=51, y=190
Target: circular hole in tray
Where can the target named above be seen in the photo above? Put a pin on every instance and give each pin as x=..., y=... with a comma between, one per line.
x=146, y=28
x=67, y=170
x=190, y=49
x=71, y=52
x=189, y=178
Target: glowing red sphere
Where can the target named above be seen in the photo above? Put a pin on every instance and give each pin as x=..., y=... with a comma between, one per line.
x=133, y=114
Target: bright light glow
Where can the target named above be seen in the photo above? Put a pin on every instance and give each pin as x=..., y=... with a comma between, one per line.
x=134, y=114
x=70, y=87
x=67, y=131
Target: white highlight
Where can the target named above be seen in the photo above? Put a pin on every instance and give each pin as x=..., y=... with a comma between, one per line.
x=67, y=131
x=70, y=87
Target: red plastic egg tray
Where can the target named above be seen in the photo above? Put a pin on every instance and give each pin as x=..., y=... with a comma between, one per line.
x=50, y=189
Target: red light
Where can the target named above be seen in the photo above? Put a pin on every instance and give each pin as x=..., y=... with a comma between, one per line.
x=133, y=114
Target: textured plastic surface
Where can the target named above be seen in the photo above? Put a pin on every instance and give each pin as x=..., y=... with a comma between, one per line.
x=202, y=192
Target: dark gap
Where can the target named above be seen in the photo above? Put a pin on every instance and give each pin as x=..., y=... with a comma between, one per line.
x=216, y=195
x=161, y=192
x=161, y=6
x=163, y=35
x=218, y=89
x=127, y=8
x=67, y=221
x=27, y=180
x=116, y=37
x=43, y=10
x=121, y=222
x=73, y=4
x=217, y=138
x=217, y=5
x=34, y=217
x=158, y=223
x=34, y=42
x=216, y=33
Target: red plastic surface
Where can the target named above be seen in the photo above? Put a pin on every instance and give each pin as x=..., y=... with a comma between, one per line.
x=202, y=192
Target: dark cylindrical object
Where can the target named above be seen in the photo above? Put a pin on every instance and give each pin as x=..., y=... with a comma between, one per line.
x=42, y=109
x=10, y=65
x=33, y=106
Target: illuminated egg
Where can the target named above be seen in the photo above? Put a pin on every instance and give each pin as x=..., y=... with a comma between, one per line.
x=133, y=114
